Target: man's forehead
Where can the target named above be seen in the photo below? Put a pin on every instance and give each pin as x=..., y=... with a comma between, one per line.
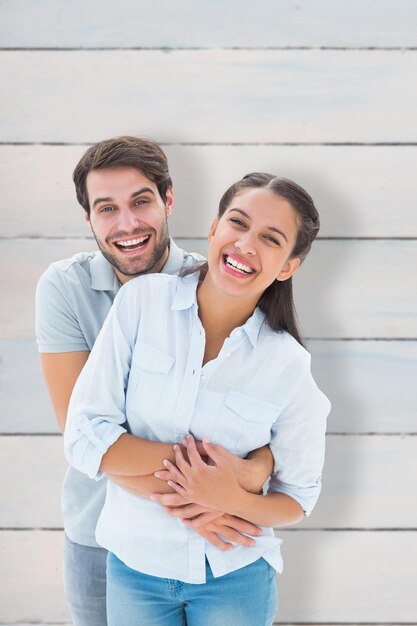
x=118, y=180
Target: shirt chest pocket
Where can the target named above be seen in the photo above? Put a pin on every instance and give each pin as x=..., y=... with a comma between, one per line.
x=148, y=379
x=244, y=423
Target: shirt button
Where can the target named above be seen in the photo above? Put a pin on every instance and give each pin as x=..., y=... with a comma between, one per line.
x=238, y=333
x=184, y=411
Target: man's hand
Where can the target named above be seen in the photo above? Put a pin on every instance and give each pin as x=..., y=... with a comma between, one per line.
x=229, y=527
x=255, y=470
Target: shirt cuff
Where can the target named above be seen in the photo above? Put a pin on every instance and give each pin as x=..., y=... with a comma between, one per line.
x=305, y=496
x=87, y=441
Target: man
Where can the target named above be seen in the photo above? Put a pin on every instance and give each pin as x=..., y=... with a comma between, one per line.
x=125, y=188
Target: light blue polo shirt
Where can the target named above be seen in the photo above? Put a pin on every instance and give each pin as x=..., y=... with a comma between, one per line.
x=73, y=298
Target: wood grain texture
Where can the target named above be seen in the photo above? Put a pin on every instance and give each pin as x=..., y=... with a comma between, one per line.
x=358, y=377
x=329, y=577
x=205, y=96
x=366, y=485
x=183, y=23
x=345, y=289
x=360, y=191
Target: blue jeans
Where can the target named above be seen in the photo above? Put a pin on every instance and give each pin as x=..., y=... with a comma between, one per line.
x=245, y=597
x=85, y=583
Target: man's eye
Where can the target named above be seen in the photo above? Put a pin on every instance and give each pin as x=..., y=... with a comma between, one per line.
x=105, y=209
x=141, y=201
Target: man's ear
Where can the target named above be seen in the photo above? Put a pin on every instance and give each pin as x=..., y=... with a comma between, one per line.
x=213, y=228
x=289, y=268
x=86, y=216
x=169, y=202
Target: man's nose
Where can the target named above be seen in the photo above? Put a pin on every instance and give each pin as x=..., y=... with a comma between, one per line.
x=127, y=219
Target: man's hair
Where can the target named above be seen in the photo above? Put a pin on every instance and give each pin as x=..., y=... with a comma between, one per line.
x=142, y=154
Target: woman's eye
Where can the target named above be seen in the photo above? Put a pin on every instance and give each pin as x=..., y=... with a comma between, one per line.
x=272, y=240
x=237, y=221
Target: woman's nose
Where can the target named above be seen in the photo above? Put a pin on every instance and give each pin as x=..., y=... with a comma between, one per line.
x=245, y=244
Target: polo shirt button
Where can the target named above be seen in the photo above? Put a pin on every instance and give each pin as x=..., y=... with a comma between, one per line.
x=238, y=333
x=184, y=411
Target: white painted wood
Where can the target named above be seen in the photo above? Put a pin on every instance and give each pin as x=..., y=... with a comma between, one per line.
x=330, y=577
x=349, y=576
x=367, y=483
x=359, y=377
x=31, y=587
x=371, y=384
x=345, y=289
x=210, y=96
x=360, y=191
x=32, y=487
x=173, y=23
x=24, y=402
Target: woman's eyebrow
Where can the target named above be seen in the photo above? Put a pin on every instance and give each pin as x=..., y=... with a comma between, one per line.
x=272, y=228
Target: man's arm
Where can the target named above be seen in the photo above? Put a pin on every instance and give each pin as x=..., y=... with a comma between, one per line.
x=60, y=371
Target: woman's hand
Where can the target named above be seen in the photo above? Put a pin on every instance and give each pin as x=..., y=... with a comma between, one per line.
x=213, y=484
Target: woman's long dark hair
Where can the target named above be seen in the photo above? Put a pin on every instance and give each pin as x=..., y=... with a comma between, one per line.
x=277, y=301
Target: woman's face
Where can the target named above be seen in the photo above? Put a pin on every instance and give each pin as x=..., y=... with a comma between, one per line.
x=250, y=245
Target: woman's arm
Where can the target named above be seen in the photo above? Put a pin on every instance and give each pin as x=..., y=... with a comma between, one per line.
x=216, y=485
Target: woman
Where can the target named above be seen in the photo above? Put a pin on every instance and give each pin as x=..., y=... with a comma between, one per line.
x=215, y=355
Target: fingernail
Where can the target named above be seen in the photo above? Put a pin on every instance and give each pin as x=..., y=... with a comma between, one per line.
x=152, y=498
x=165, y=462
x=157, y=475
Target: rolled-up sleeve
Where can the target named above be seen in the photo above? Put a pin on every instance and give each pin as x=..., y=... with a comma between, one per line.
x=298, y=444
x=96, y=414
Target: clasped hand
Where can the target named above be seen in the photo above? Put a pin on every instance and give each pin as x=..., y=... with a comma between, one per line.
x=205, y=485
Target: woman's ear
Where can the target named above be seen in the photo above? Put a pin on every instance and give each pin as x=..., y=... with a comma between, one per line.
x=213, y=228
x=289, y=268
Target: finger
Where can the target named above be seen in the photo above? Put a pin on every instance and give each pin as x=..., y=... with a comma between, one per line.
x=193, y=453
x=168, y=499
x=178, y=488
x=216, y=541
x=212, y=452
x=163, y=475
x=175, y=474
x=242, y=526
x=200, y=448
x=233, y=535
x=187, y=512
x=203, y=519
x=181, y=462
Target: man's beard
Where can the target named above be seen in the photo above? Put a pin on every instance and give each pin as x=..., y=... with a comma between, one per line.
x=132, y=266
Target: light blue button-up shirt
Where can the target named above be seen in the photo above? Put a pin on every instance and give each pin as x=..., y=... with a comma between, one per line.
x=146, y=368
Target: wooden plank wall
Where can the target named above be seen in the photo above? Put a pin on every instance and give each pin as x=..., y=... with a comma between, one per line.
x=319, y=91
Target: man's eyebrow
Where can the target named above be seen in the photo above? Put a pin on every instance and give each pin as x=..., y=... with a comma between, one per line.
x=135, y=194
x=98, y=200
x=141, y=191
x=273, y=228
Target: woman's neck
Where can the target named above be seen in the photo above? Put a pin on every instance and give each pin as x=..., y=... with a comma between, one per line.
x=220, y=313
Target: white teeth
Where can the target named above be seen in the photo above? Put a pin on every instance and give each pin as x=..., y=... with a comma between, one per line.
x=239, y=266
x=132, y=242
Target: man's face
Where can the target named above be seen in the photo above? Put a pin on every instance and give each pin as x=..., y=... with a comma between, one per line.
x=129, y=220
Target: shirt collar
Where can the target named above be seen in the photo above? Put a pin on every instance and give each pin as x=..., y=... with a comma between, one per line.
x=185, y=297
x=253, y=326
x=175, y=258
x=186, y=292
x=102, y=273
